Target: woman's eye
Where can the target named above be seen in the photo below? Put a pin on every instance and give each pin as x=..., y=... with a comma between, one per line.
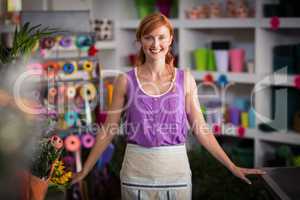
x=162, y=37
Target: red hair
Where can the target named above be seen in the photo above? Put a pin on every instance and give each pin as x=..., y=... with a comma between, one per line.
x=147, y=25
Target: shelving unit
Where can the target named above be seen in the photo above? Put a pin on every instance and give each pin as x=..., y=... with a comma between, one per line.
x=253, y=34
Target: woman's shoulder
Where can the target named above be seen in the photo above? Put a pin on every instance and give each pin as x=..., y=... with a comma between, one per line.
x=186, y=72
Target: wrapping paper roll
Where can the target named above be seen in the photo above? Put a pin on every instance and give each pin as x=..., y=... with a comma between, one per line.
x=110, y=89
x=71, y=92
x=245, y=119
x=70, y=67
x=72, y=143
x=83, y=42
x=65, y=41
x=88, y=66
x=71, y=118
x=88, y=91
x=87, y=140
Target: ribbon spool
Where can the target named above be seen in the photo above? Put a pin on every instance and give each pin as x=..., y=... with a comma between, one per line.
x=71, y=118
x=88, y=91
x=56, y=141
x=297, y=81
x=71, y=92
x=65, y=41
x=241, y=132
x=110, y=89
x=216, y=129
x=69, y=161
x=72, y=143
x=52, y=92
x=47, y=43
x=70, y=68
x=37, y=67
x=87, y=140
x=83, y=42
x=88, y=66
x=51, y=68
x=222, y=80
x=208, y=78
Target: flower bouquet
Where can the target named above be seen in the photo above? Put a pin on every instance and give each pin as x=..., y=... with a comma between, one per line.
x=47, y=169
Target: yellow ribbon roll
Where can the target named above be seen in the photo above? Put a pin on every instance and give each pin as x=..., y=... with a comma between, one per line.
x=88, y=66
x=88, y=91
x=245, y=119
x=110, y=89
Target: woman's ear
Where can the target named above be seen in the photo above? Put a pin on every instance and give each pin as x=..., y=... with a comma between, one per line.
x=138, y=44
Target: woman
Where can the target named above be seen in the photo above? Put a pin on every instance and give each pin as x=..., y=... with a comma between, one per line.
x=159, y=99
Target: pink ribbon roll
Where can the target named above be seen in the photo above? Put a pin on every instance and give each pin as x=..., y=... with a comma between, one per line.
x=52, y=92
x=87, y=140
x=56, y=141
x=72, y=143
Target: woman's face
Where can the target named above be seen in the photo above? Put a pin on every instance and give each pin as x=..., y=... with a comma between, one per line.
x=156, y=44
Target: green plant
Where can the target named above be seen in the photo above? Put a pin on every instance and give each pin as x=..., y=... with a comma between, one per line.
x=44, y=156
x=24, y=41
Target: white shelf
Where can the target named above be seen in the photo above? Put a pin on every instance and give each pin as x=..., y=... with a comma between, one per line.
x=231, y=77
x=278, y=80
x=106, y=45
x=285, y=22
x=250, y=133
x=133, y=23
x=289, y=137
x=219, y=23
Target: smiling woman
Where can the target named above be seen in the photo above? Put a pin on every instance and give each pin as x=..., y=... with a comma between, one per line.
x=160, y=100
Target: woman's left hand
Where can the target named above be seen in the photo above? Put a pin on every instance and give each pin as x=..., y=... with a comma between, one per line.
x=242, y=172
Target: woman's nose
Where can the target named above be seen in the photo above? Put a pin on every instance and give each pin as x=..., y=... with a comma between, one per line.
x=155, y=42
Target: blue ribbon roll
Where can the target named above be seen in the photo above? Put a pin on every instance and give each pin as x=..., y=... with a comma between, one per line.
x=222, y=80
x=83, y=42
x=69, y=68
x=71, y=118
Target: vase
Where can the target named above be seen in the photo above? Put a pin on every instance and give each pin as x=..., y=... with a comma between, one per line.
x=32, y=187
x=38, y=188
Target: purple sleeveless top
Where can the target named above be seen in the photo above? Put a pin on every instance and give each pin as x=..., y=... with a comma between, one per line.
x=155, y=120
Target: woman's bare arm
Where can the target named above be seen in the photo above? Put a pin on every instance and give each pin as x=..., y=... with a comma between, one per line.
x=203, y=133
x=109, y=129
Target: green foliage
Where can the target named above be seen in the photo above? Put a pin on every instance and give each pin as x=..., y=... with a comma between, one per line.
x=44, y=156
x=24, y=41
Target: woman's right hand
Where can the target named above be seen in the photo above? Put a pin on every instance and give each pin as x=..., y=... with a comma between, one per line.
x=78, y=177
